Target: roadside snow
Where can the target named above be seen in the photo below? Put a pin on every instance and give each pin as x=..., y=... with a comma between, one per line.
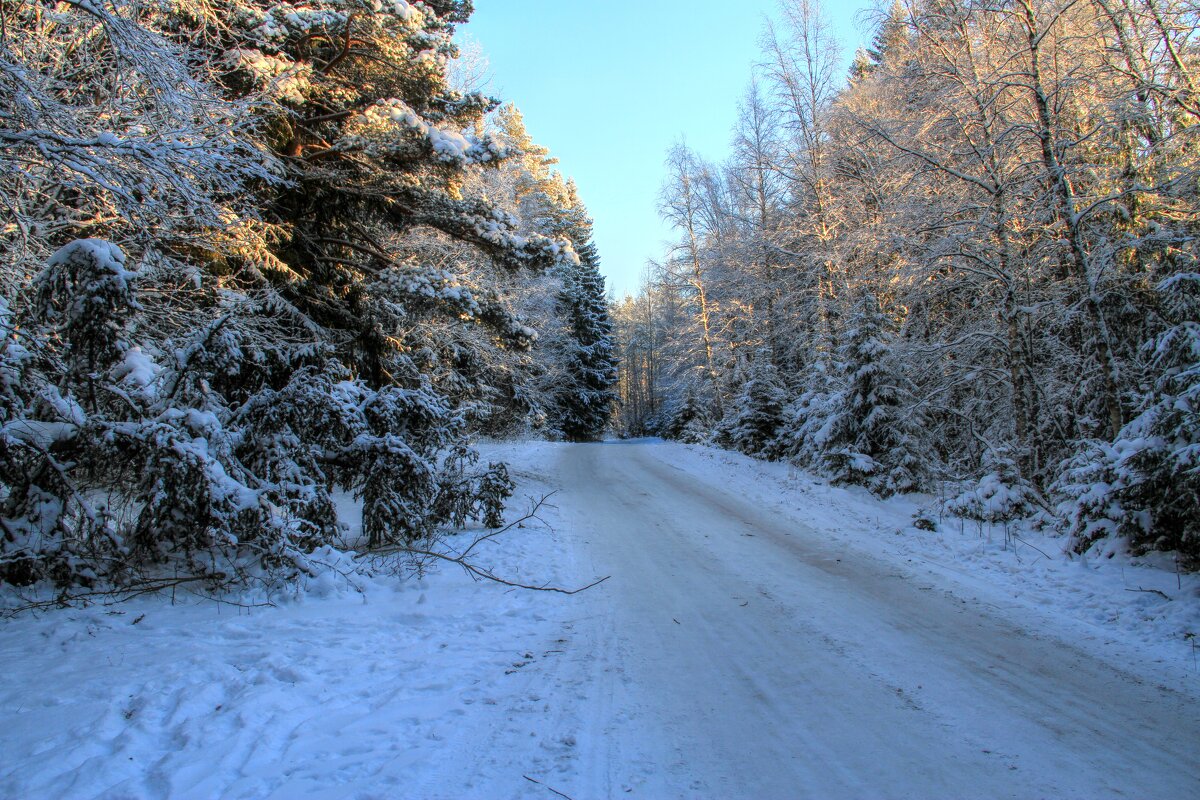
x=1129, y=611
x=390, y=692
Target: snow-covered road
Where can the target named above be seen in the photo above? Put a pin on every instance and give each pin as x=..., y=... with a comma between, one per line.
x=738, y=655
x=762, y=636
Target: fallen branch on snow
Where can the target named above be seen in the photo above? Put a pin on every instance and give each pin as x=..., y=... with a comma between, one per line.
x=551, y=788
x=474, y=570
x=1161, y=594
x=123, y=594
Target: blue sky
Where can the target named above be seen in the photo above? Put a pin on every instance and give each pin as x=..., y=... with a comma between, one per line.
x=610, y=86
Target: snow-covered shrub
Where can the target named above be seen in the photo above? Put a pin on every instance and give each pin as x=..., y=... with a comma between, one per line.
x=1089, y=492
x=54, y=356
x=923, y=521
x=202, y=513
x=50, y=528
x=1000, y=495
x=84, y=297
x=401, y=433
x=465, y=495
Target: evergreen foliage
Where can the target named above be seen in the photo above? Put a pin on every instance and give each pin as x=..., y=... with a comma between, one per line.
x=579, y=336
x=756, y=416
x=1145, y=486
x=870, y=441
x=1000, y=495
x=584, y=403
x=686, y=421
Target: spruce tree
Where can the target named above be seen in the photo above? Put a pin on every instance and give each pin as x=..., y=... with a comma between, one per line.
x=686, y=420
x=584, y=403
x=376, y=144
x=1146, y=485
x=536, y=188
x=374, y=231
x=757, y=415
x=870, y=440
x=891, y=35
x=1163, y=504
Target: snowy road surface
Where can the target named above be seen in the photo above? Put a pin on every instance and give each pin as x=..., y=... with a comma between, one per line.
x=746, y=646
x=742, y=657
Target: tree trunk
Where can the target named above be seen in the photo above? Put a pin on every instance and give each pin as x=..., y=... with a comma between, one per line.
x=1071, y=222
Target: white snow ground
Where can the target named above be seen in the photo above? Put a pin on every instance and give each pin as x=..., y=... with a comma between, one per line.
x=762, y=635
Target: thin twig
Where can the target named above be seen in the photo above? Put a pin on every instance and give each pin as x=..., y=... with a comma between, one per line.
x=533, y=514
x=1035, y=547
x=348, y=577
x=393, y=549
x=490, y=576
x=1163, y=595
x=551, y=788
x=121, y=595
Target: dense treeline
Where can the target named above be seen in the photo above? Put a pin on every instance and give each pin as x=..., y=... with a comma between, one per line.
x=973, y=260
x=254, y=252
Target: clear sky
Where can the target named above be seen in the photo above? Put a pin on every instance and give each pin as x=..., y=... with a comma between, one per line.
x=610, y=86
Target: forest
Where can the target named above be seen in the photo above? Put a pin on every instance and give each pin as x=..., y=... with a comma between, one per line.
x=255, y=256
x=255, y=253
x=966, y=268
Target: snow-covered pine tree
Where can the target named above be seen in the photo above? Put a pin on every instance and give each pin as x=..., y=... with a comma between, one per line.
x=584, y=403
x=871, y=441
x=685, y=420
x=376, y=143
x=534, y=186
x=1145, y=486
x=376, y=236
x=753, y=423
x=525, y=383
x=576, y=346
